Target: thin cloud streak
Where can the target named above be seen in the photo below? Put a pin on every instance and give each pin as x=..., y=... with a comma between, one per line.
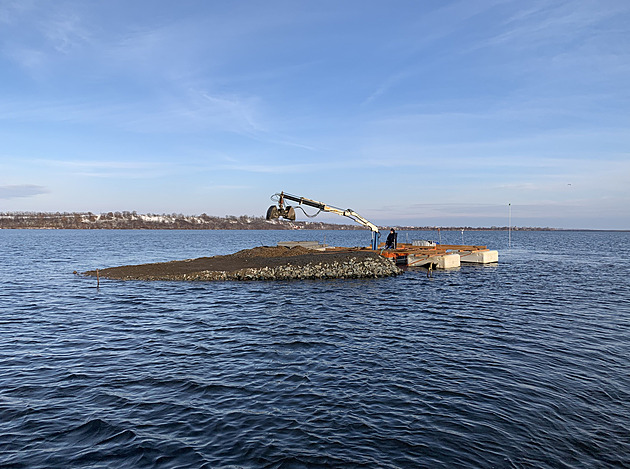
x=113, y=169
x=21, y=191
x=81, y=164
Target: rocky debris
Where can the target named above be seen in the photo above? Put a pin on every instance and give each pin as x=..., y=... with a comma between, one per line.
x=262, y=263
x=270, y=252
x=354, y=268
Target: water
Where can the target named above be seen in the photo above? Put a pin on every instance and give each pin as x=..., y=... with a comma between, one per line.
x=521, y=364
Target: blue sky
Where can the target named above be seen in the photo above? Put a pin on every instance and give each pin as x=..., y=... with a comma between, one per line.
x=409, y=112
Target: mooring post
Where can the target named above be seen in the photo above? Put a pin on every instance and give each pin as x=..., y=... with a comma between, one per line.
x=98, y=279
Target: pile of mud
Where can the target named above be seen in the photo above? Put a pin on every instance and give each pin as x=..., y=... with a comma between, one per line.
x=261, y=263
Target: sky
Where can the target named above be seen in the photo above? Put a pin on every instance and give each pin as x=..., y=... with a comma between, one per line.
x=416, y=113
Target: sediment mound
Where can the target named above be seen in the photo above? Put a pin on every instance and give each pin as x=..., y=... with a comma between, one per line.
x=262, y=263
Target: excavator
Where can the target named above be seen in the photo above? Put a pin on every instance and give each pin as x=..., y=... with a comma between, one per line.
x=288, y=212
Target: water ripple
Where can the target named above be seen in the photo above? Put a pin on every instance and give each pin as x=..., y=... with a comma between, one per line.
x=522, y=364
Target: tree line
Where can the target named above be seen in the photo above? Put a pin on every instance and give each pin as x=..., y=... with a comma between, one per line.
x=176, y=221
x=135, y=221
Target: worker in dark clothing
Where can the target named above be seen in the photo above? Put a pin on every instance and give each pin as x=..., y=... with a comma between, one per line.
x=390, y=243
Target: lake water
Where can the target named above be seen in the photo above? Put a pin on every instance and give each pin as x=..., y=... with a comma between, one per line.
x=525, y=363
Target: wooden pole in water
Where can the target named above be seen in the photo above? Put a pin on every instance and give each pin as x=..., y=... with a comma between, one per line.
x=98, y=279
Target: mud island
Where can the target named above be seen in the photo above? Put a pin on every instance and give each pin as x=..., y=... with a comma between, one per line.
x=262, y=263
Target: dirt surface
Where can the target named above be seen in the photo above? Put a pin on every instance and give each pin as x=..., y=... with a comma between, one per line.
x=264, y=256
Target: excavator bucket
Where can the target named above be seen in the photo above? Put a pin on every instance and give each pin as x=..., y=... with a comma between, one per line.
x=273, y=213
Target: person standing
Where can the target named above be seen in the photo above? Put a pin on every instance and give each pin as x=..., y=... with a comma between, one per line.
x=390, y=243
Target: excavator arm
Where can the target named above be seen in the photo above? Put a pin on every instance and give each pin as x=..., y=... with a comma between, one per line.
x=288, y=212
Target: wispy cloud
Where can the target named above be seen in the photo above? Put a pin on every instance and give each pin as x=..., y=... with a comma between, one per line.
x=21, y=190
x=270, y=168
x=437, y=209
x=550, y=22
x=111, y=169
x=35, y=35
x=102, y=164
x=66, y=31
x=386, y=86
x=12, y=9
x=229, y=187
x=238, y=112
x=169, y=114
x=579, y=213
x=26, y=57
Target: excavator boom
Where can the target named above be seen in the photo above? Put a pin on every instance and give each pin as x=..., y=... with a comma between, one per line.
x=288, y=212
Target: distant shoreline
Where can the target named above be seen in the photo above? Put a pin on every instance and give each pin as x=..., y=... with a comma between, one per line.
x=135, y=221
